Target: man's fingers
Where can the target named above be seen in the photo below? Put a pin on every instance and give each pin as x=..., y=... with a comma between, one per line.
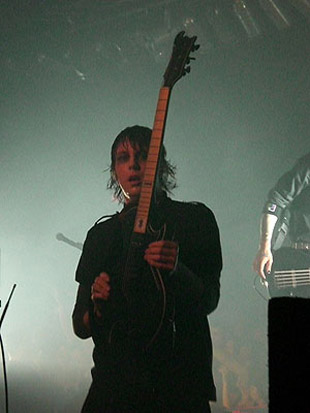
x=269, y=266
x=101, y=287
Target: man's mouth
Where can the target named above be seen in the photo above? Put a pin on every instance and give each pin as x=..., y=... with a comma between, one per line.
x=135, y=180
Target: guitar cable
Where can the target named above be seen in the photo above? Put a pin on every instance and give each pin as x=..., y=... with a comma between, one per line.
x=160, y=324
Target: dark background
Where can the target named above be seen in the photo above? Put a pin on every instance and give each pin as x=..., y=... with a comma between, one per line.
x=73, y=74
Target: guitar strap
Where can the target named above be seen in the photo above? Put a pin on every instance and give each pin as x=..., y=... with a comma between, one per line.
x=282, y=228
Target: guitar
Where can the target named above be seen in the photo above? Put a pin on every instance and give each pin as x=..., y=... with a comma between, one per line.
x=290, y=274
x=147, y=309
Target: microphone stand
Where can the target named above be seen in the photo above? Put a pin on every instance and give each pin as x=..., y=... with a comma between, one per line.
x=62, y=237
x=2, y=351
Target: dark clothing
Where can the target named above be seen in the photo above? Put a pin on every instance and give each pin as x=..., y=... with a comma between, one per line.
x=96, y=402
x=176, y=370
x=292, y=194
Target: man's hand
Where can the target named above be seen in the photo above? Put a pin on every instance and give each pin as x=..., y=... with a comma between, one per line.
x=162, y=254
x=100, y=289
x=263, y=262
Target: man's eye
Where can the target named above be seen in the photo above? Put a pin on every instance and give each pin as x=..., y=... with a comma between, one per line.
x=122, y=157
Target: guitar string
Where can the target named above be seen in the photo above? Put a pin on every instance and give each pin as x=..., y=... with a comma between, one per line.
x=131, y=260
x=164, y=306
x=292, y=278
x=285, y=285
x=292, y=271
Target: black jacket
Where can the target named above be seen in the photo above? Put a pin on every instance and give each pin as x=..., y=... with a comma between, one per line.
x=194, y=287
x=292, y=193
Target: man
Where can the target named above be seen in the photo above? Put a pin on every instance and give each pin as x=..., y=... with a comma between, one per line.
x=286, y=219
x=150, y=355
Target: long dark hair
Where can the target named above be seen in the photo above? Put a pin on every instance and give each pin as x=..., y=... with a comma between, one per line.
x=140, y=136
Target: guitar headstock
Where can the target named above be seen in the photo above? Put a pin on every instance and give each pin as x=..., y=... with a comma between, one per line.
x=179, y=64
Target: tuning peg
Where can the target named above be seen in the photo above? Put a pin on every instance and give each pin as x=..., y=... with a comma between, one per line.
x=187, y=70
x=195, y=47
x=188, y=60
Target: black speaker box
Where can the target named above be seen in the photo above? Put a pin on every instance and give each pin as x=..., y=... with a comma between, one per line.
x=289, y=355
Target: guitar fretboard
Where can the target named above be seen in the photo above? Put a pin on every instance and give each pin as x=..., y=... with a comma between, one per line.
x=149, y=180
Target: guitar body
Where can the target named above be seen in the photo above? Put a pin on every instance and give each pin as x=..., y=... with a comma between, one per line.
x=290, y=275
x=141, y=307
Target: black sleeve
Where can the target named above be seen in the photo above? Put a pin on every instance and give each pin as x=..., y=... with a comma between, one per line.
x=102, y=244
x=288, y=187
x=197, y=275
x=82, y=306
x=87, y=267
x=85, y=273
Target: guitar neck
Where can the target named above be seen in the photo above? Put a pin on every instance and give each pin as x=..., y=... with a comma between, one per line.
x=149, y=181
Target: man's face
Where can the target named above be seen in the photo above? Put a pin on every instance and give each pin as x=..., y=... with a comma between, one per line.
x=129, y=170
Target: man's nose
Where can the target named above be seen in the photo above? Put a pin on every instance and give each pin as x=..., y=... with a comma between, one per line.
x=135, y=163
